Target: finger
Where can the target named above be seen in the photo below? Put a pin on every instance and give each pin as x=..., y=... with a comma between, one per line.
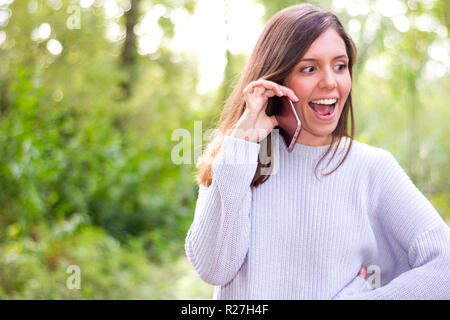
x=362, y=273
x=269, y=93
x=289, y=93
x=274, y=121
x=293, y=96
x=279, y=89
x=262, y=91
x=269, y=85
x=276, y=88
x=249, y=88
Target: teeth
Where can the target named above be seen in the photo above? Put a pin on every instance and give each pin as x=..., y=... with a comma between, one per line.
x=324, y=101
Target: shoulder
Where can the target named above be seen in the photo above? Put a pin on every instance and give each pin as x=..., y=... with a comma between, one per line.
x=376, y=161
x=373, y=154
x=382, y=169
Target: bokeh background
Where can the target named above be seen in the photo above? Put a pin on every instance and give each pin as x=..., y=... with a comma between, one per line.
x=91, y=92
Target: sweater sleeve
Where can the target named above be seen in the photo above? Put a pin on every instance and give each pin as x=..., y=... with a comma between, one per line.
x=218, y=239
x=414, y=226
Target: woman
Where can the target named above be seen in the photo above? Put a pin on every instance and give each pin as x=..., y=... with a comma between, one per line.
x=286, y=233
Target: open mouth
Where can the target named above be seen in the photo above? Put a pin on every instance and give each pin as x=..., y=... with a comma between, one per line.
x=323, y=108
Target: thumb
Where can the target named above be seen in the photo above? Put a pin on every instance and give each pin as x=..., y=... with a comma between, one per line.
x=274, y=121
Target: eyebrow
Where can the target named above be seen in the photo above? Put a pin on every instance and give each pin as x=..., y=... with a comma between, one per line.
x=338, y=57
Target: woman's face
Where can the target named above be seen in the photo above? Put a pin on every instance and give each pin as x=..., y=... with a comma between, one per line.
x=321, y=76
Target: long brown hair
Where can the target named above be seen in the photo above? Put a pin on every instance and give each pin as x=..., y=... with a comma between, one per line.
x=283, y=42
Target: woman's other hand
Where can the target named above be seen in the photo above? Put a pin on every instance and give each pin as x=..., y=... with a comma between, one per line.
x=362, y=272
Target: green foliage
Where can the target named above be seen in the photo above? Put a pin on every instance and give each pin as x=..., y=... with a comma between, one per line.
x=71, y=146
x=37, y=268
x=87, y=178
x=57, y=163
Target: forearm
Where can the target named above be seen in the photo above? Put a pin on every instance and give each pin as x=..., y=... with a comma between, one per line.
x=219, y=237
x=429, y=277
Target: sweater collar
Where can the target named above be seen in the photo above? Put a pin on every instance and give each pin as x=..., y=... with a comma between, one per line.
x=307, y=151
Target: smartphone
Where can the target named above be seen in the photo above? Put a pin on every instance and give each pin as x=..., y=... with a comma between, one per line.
x=288, y=120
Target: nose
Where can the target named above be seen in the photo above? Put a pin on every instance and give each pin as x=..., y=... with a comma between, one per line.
x=327, y=81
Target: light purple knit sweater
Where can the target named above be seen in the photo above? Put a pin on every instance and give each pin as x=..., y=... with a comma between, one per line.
x=296, y=237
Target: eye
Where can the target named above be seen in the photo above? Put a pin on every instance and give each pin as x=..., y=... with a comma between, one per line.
x=341, y=67
x=308, y=69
